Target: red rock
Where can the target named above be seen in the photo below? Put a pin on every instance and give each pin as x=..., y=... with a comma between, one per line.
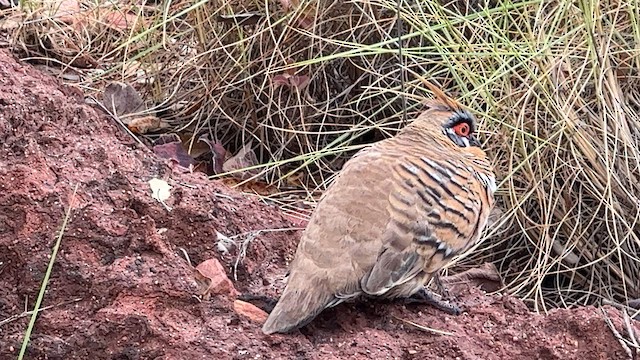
x=250, y=311
x=213, y=280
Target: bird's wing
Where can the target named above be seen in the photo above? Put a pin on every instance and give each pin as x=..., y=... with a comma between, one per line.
x=437, y=209
x=339, y=245
x=344, y=234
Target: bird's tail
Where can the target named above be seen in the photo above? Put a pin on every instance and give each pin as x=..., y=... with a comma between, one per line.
x=297, y=306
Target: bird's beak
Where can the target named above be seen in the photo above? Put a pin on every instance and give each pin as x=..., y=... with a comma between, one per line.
x=473, y=141
x=455, y=138
x=461, y=141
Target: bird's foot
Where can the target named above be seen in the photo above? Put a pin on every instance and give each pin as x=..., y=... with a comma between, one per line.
x=424, y=296
x=266, y=303
x=441, y=288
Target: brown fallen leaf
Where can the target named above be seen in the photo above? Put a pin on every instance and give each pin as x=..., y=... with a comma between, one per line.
x=218, y=152
x=243, y=159
x=167, y=138
x=121, y=20
x=174, y=151
x=495, y=215
x=258, y=187
x=5, y=4
x=213, y=280
x=65, y=10
x=145, y=124
x=296, y=180
x=289, y=4
x=11, y=22
x=306, y=17
x=197, y=148
x=122, y=99
x=486, y=277
x=299, y=82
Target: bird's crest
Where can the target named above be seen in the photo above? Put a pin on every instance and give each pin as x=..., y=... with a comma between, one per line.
x=442, y=101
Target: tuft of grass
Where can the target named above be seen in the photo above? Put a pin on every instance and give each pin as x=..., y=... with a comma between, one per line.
x=45, y=280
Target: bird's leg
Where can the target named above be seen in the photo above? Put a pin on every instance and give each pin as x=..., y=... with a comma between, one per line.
x=425, y=296
x=266, y=303
x=442, y=289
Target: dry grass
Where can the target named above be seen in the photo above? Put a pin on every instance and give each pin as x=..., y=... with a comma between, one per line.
x=555, y=84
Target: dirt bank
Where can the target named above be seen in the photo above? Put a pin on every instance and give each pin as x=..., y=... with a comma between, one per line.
x=121, y=288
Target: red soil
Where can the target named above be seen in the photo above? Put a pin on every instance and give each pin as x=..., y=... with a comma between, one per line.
x=121, y=288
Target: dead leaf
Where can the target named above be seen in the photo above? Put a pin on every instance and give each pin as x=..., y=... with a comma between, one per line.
x=65, y=11
x=306, y=16
x=289, y=4
x=5, y=4
x=145, y=124
x=219, y=153
x=161, y=191
x=174, y=151
x=290, y=80
x=243, y=159
x=167, y=138
x=65, y=74
x=258, y=187
x=280, y=80
x=122, y=99
x=121, y=20
x=200, y=148
x=495, y=215
x=306, y=19
x=296, y=180
x=486, y=277
x=299, y=82
x=11, y=22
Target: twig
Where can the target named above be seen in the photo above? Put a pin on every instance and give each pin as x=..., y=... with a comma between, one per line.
x=27, y=313
x=243, y=251
x=631, y=331
x=186, y=256
x=424, y=328
x=117, y=119
x=616, y=334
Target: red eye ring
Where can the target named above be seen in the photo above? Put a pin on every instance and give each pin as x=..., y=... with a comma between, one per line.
x=462, y=129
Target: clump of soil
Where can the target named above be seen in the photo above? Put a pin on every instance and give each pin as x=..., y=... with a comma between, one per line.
x=122, y=289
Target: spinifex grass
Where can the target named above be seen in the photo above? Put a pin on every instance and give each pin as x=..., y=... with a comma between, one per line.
x=554, y=83
x=45, y=280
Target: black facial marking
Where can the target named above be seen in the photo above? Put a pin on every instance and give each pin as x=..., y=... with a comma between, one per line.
x=459, y=117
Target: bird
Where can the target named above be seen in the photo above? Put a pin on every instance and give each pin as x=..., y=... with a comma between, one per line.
x=395, y=215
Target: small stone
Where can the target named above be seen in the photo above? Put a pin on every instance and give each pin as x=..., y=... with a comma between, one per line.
x=249, y=311
x=212, y=279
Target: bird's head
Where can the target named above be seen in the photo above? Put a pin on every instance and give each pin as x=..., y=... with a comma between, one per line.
x=446, y=119
x=449, y=123
x=460, y=128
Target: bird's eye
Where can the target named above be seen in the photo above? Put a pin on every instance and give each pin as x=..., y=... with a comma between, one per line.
x=462, y=129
